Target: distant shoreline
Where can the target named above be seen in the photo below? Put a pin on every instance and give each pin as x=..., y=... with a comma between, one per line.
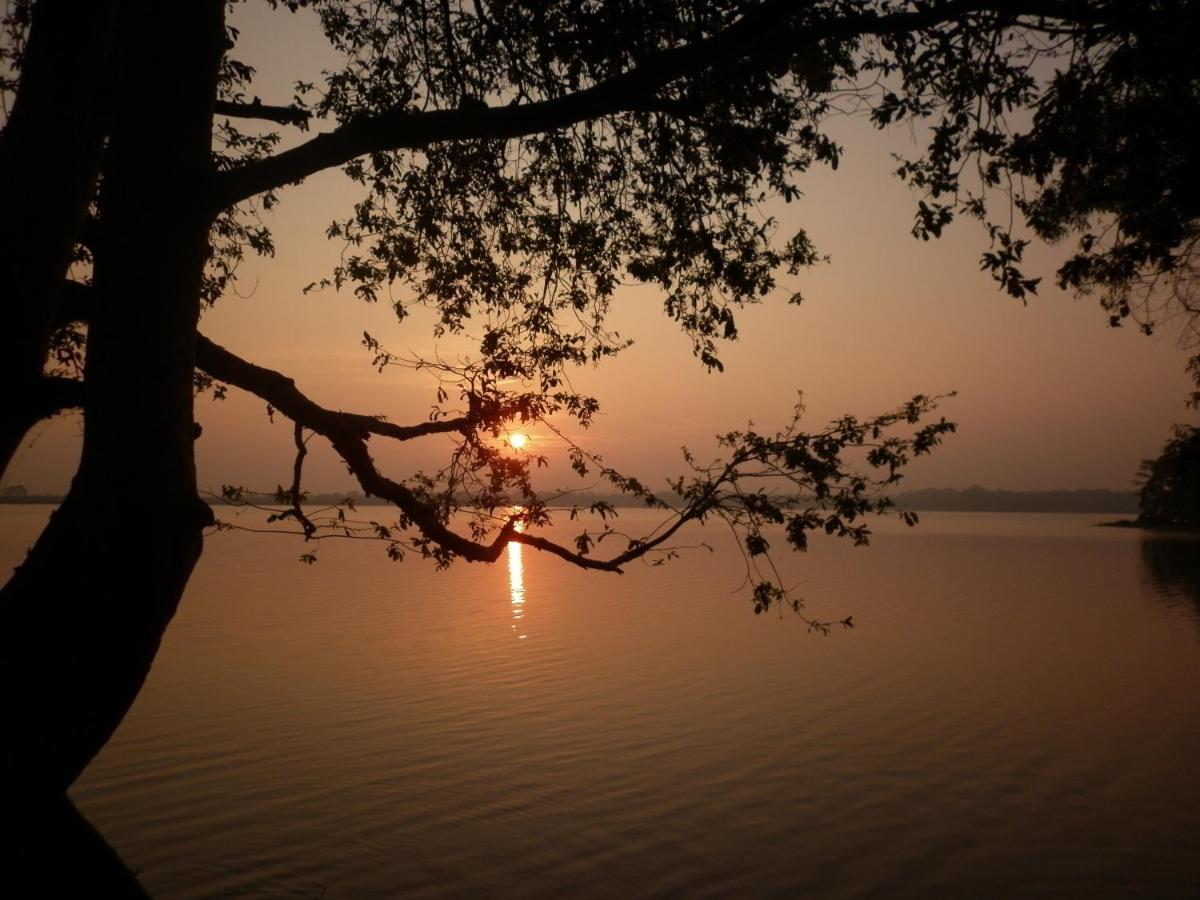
x=980, y=499
x=972, y=499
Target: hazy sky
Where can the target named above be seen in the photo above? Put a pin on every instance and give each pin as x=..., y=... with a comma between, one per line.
x=1049, y=396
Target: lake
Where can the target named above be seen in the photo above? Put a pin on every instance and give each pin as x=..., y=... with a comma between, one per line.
x=1015, y=714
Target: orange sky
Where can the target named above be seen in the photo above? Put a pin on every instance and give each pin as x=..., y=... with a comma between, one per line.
x=1049, y=396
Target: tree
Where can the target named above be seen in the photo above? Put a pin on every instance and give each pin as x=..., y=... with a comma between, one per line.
x=1170, y=484
x=517, y=161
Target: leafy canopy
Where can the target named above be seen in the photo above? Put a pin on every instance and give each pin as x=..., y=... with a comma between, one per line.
x=648, y=137
x=519, y=161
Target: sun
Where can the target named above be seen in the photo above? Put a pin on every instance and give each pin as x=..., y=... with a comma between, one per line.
x=517, y=441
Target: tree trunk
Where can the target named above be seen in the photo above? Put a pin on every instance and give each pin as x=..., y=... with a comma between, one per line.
x=85, y=613
x=71, y=859
x=49, y=159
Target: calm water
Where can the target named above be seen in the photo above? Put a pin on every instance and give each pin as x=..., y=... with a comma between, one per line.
x=1015, y=715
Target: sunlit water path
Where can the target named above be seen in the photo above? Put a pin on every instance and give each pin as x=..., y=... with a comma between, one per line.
x=1015, y=715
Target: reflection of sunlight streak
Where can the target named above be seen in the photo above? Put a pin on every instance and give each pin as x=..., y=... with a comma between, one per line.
x=516, y=588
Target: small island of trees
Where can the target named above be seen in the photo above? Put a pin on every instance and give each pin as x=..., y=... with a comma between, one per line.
x=1170, y=484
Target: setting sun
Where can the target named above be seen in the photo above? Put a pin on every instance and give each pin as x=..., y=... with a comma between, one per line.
x=518, y=440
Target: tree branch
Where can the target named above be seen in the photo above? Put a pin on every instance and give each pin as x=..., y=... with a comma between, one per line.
x=297, y=492
x=349, y=433
x=74, y=304
x=768, y=28
x=281, y=392
x=585, y=562
x=51, y=394
x=284, y=115
x=55, y=394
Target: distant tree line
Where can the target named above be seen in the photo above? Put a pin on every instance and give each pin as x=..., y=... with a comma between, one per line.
x=979, y=499
x=17, y=493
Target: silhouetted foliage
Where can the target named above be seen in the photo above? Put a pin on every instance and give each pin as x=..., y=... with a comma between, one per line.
x=1170, y=484
x=1101, y=151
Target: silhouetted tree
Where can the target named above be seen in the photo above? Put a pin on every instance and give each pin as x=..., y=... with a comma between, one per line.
x=517, y=161
x=1170, y=484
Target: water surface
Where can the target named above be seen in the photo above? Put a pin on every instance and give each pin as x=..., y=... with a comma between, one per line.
x=1014, y=715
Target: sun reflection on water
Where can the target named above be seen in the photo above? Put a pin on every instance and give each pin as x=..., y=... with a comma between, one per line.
x=516, y=586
